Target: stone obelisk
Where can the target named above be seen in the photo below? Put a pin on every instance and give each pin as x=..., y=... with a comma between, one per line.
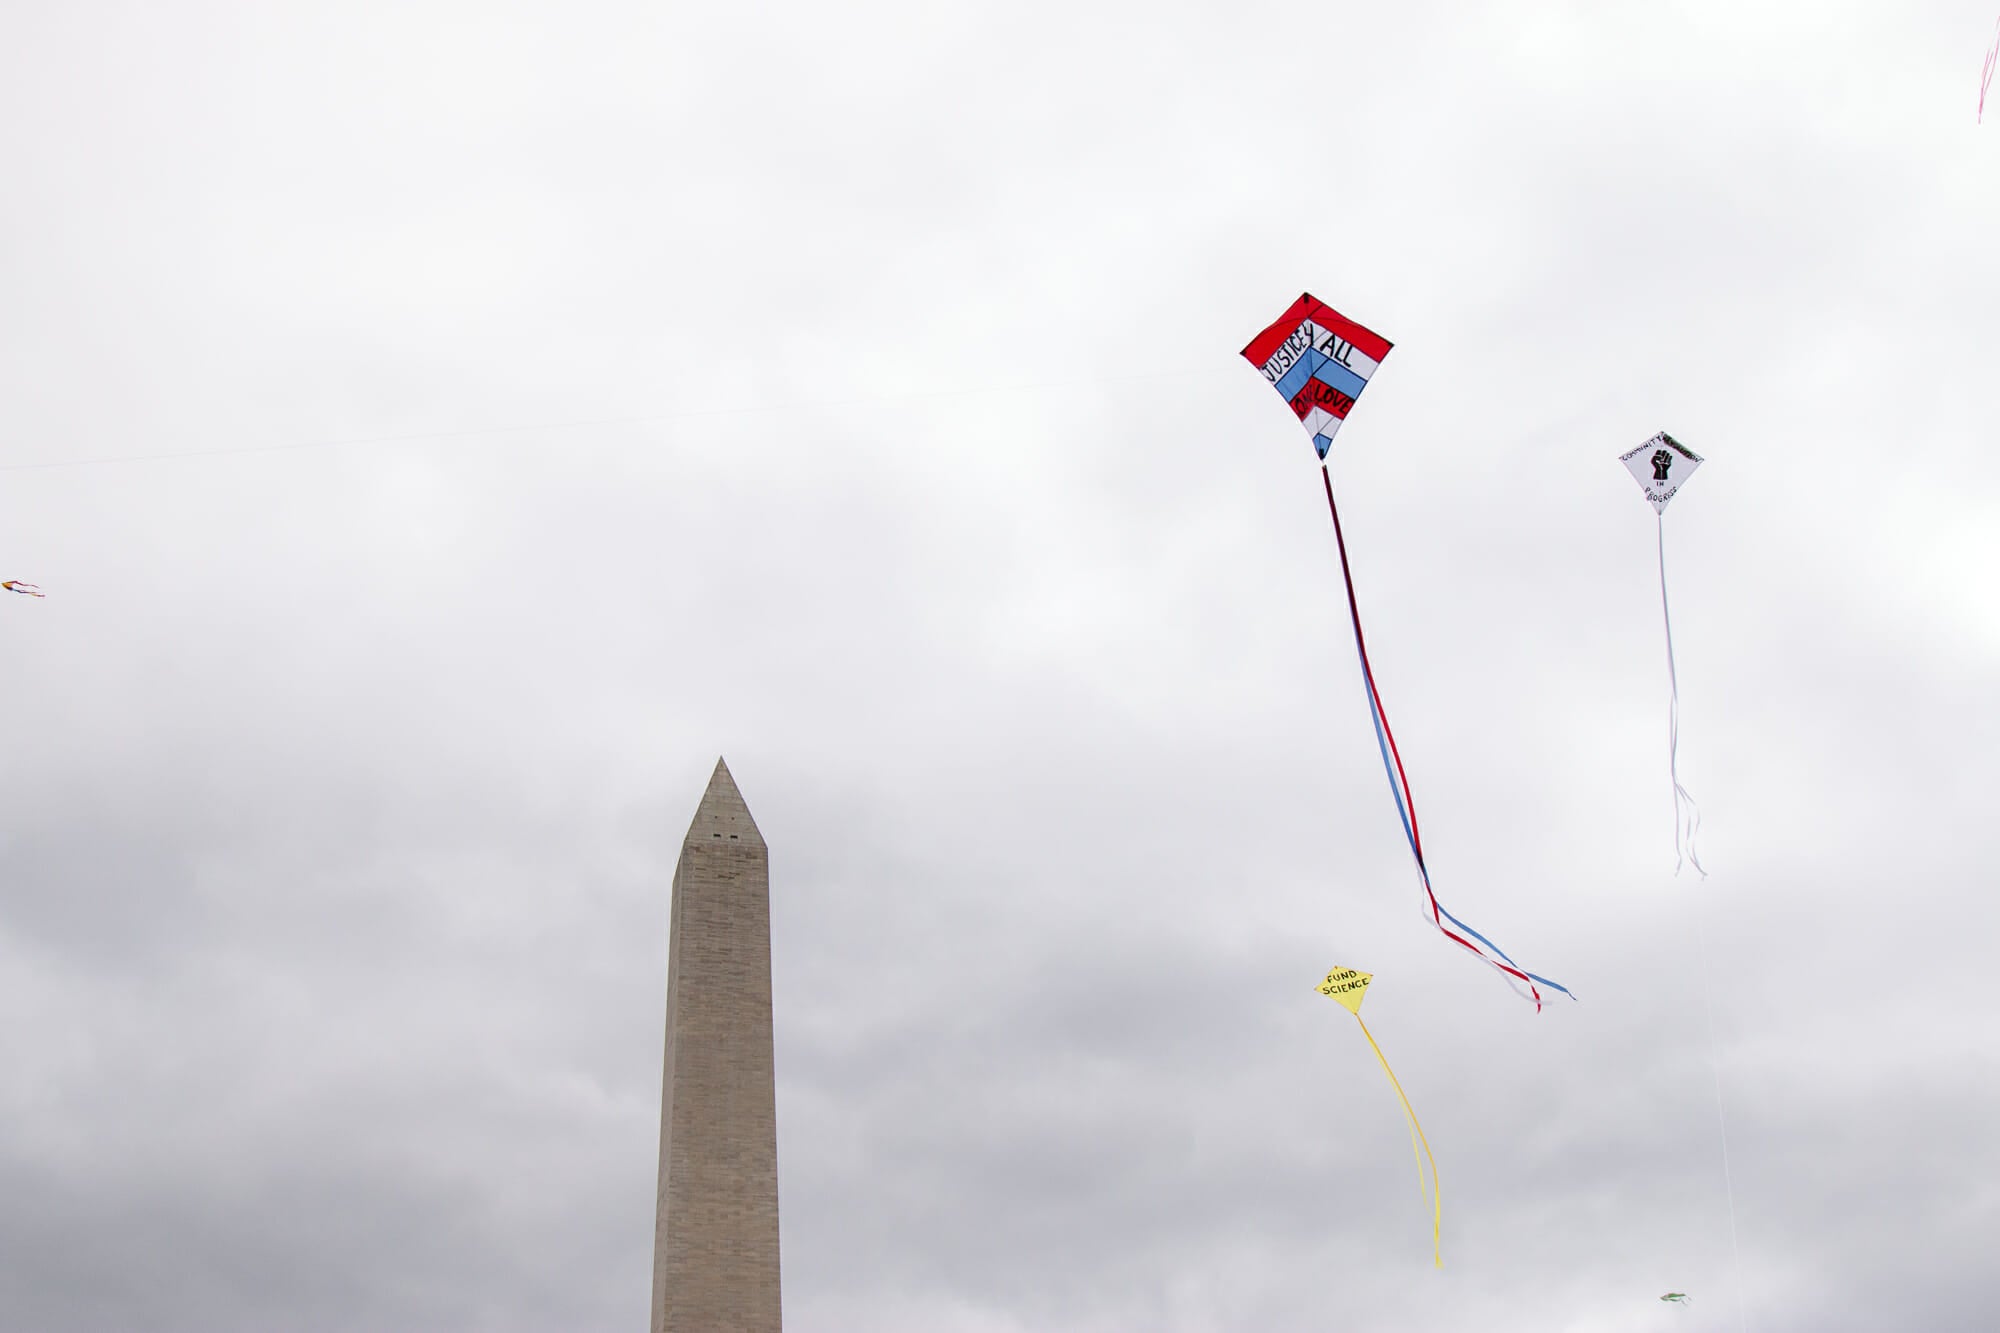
x=715, y=1245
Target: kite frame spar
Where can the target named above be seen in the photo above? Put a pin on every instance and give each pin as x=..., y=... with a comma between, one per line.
x=1309, y=356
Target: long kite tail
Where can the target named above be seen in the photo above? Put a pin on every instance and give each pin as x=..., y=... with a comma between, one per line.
x=1687, y=815
x=1433, y=1195
x=1406, y=810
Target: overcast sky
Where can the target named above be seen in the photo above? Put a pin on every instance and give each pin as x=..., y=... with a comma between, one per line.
x=852, y=390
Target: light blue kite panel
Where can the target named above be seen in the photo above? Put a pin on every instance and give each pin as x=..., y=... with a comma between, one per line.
x=1314, y=366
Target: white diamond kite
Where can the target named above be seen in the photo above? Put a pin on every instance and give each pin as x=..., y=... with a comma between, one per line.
x=1662, y=466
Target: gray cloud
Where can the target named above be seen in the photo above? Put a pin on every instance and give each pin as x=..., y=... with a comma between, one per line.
x=342, y=784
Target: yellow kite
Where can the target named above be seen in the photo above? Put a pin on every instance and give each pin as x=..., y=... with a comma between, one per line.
x=1349, y=988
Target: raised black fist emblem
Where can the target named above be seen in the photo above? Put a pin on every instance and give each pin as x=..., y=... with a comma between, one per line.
x=1662, y=460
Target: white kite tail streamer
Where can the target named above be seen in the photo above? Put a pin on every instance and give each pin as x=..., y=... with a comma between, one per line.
x=1687, y=815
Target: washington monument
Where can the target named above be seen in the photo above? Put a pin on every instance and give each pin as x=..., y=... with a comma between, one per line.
x=715, y=1242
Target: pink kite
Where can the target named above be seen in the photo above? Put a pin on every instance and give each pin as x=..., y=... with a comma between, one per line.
x=1986, y=74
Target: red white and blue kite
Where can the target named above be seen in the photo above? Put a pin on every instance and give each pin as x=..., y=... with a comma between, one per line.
x=1320, y=361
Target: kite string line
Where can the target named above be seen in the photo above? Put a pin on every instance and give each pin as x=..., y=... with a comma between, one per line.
x=1392, y=763
x=1693, y=825
x=1436, y=1199
x=1721, y=1116
x=1683, y=802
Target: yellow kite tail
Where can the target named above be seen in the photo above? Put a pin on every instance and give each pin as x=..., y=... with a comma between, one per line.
x=1436, y=1200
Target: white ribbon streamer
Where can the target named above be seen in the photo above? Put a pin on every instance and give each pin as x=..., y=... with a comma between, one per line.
x=1687, y=815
